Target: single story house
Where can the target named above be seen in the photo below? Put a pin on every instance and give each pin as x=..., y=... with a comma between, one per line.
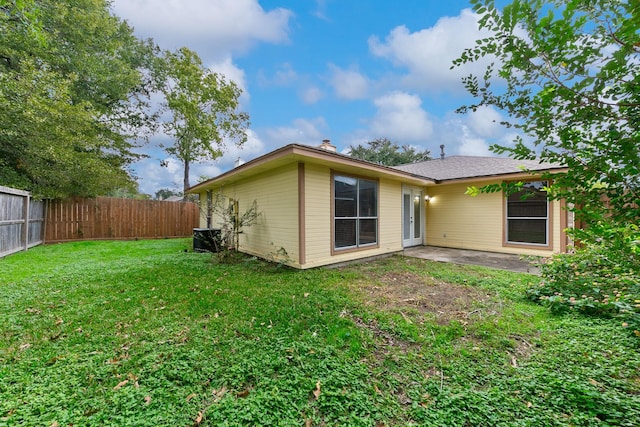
x=323, y=207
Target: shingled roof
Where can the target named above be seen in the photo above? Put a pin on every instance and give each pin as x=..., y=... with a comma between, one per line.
x=464, y=167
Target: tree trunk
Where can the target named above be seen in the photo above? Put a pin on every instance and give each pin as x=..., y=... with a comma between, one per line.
x=186, y=177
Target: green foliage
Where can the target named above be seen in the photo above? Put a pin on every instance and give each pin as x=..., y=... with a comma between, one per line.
x=601, y=278
x=278, y=257
x=165, y=193
x=128, y=193
x=203, y=107
x=385, y=152
x=73, y=90
x=227, y=217
x=149, y=333
x=508, y=187
x=567, y=73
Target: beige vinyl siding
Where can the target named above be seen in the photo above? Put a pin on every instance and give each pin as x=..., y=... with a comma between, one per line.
x=318, y=219
x=390, y=215
x=276, y=194
x=457, y=220
x=202, y=197
x=317, y=195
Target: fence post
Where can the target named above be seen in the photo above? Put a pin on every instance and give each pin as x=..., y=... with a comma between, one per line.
x=25, y=214
x=43, y=231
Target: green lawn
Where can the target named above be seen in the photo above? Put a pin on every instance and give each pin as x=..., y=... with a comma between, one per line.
x=150, y=333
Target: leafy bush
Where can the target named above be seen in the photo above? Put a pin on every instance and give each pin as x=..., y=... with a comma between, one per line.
x=602, y=276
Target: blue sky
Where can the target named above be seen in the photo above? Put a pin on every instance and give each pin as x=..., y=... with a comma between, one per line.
x=345, y=70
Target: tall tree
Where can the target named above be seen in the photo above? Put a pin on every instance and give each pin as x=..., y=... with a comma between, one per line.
x=385, y=152
x=73, y=90
x=568, y=75
x=203, y=108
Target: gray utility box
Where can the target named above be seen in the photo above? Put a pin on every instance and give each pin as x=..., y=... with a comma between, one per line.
x=207, y=239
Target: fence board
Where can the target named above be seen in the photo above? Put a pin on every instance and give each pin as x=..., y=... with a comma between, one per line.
x=118, y=219
x=36, y=223
x=21, y=221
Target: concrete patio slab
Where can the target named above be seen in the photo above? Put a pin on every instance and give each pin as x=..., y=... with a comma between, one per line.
x=463, y=256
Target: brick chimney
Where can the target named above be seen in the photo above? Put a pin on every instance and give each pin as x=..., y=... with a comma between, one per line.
x=326, y=145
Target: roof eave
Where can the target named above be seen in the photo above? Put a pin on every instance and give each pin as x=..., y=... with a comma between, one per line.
x=514, y=175
x=303, y=151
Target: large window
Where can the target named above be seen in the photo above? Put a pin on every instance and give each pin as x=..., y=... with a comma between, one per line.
x=528, y=215
x=355, y=212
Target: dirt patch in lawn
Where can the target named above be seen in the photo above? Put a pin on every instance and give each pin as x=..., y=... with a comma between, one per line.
x=410, y=292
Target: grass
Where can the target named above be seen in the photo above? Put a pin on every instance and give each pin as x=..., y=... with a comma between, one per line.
x=150, y=333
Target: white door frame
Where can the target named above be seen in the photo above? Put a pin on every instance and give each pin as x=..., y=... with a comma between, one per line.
x=413, y=216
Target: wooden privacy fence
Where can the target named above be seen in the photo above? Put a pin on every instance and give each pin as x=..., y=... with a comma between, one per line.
x=21, y=221
x=121, y=219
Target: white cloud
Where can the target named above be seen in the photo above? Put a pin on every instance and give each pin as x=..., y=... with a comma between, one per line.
x=400, y=117
x=358, y=137
x=428, y=54
x=509, y=138
x=210, y=27
x=285, y=75
x=311, y=95
x=472, y=145
x=202, y=172
x=348, y=84
x=472, y=134
x=321, y=10
x=160, y=171
x=253, y=147
x=485, y=122
x=173, y=166
x=302, y=131
x=152, y=176
x=227, y=68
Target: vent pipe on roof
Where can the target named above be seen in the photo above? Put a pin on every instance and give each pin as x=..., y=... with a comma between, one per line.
x=326, y=145
x=238, y=162
x=441, y=151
